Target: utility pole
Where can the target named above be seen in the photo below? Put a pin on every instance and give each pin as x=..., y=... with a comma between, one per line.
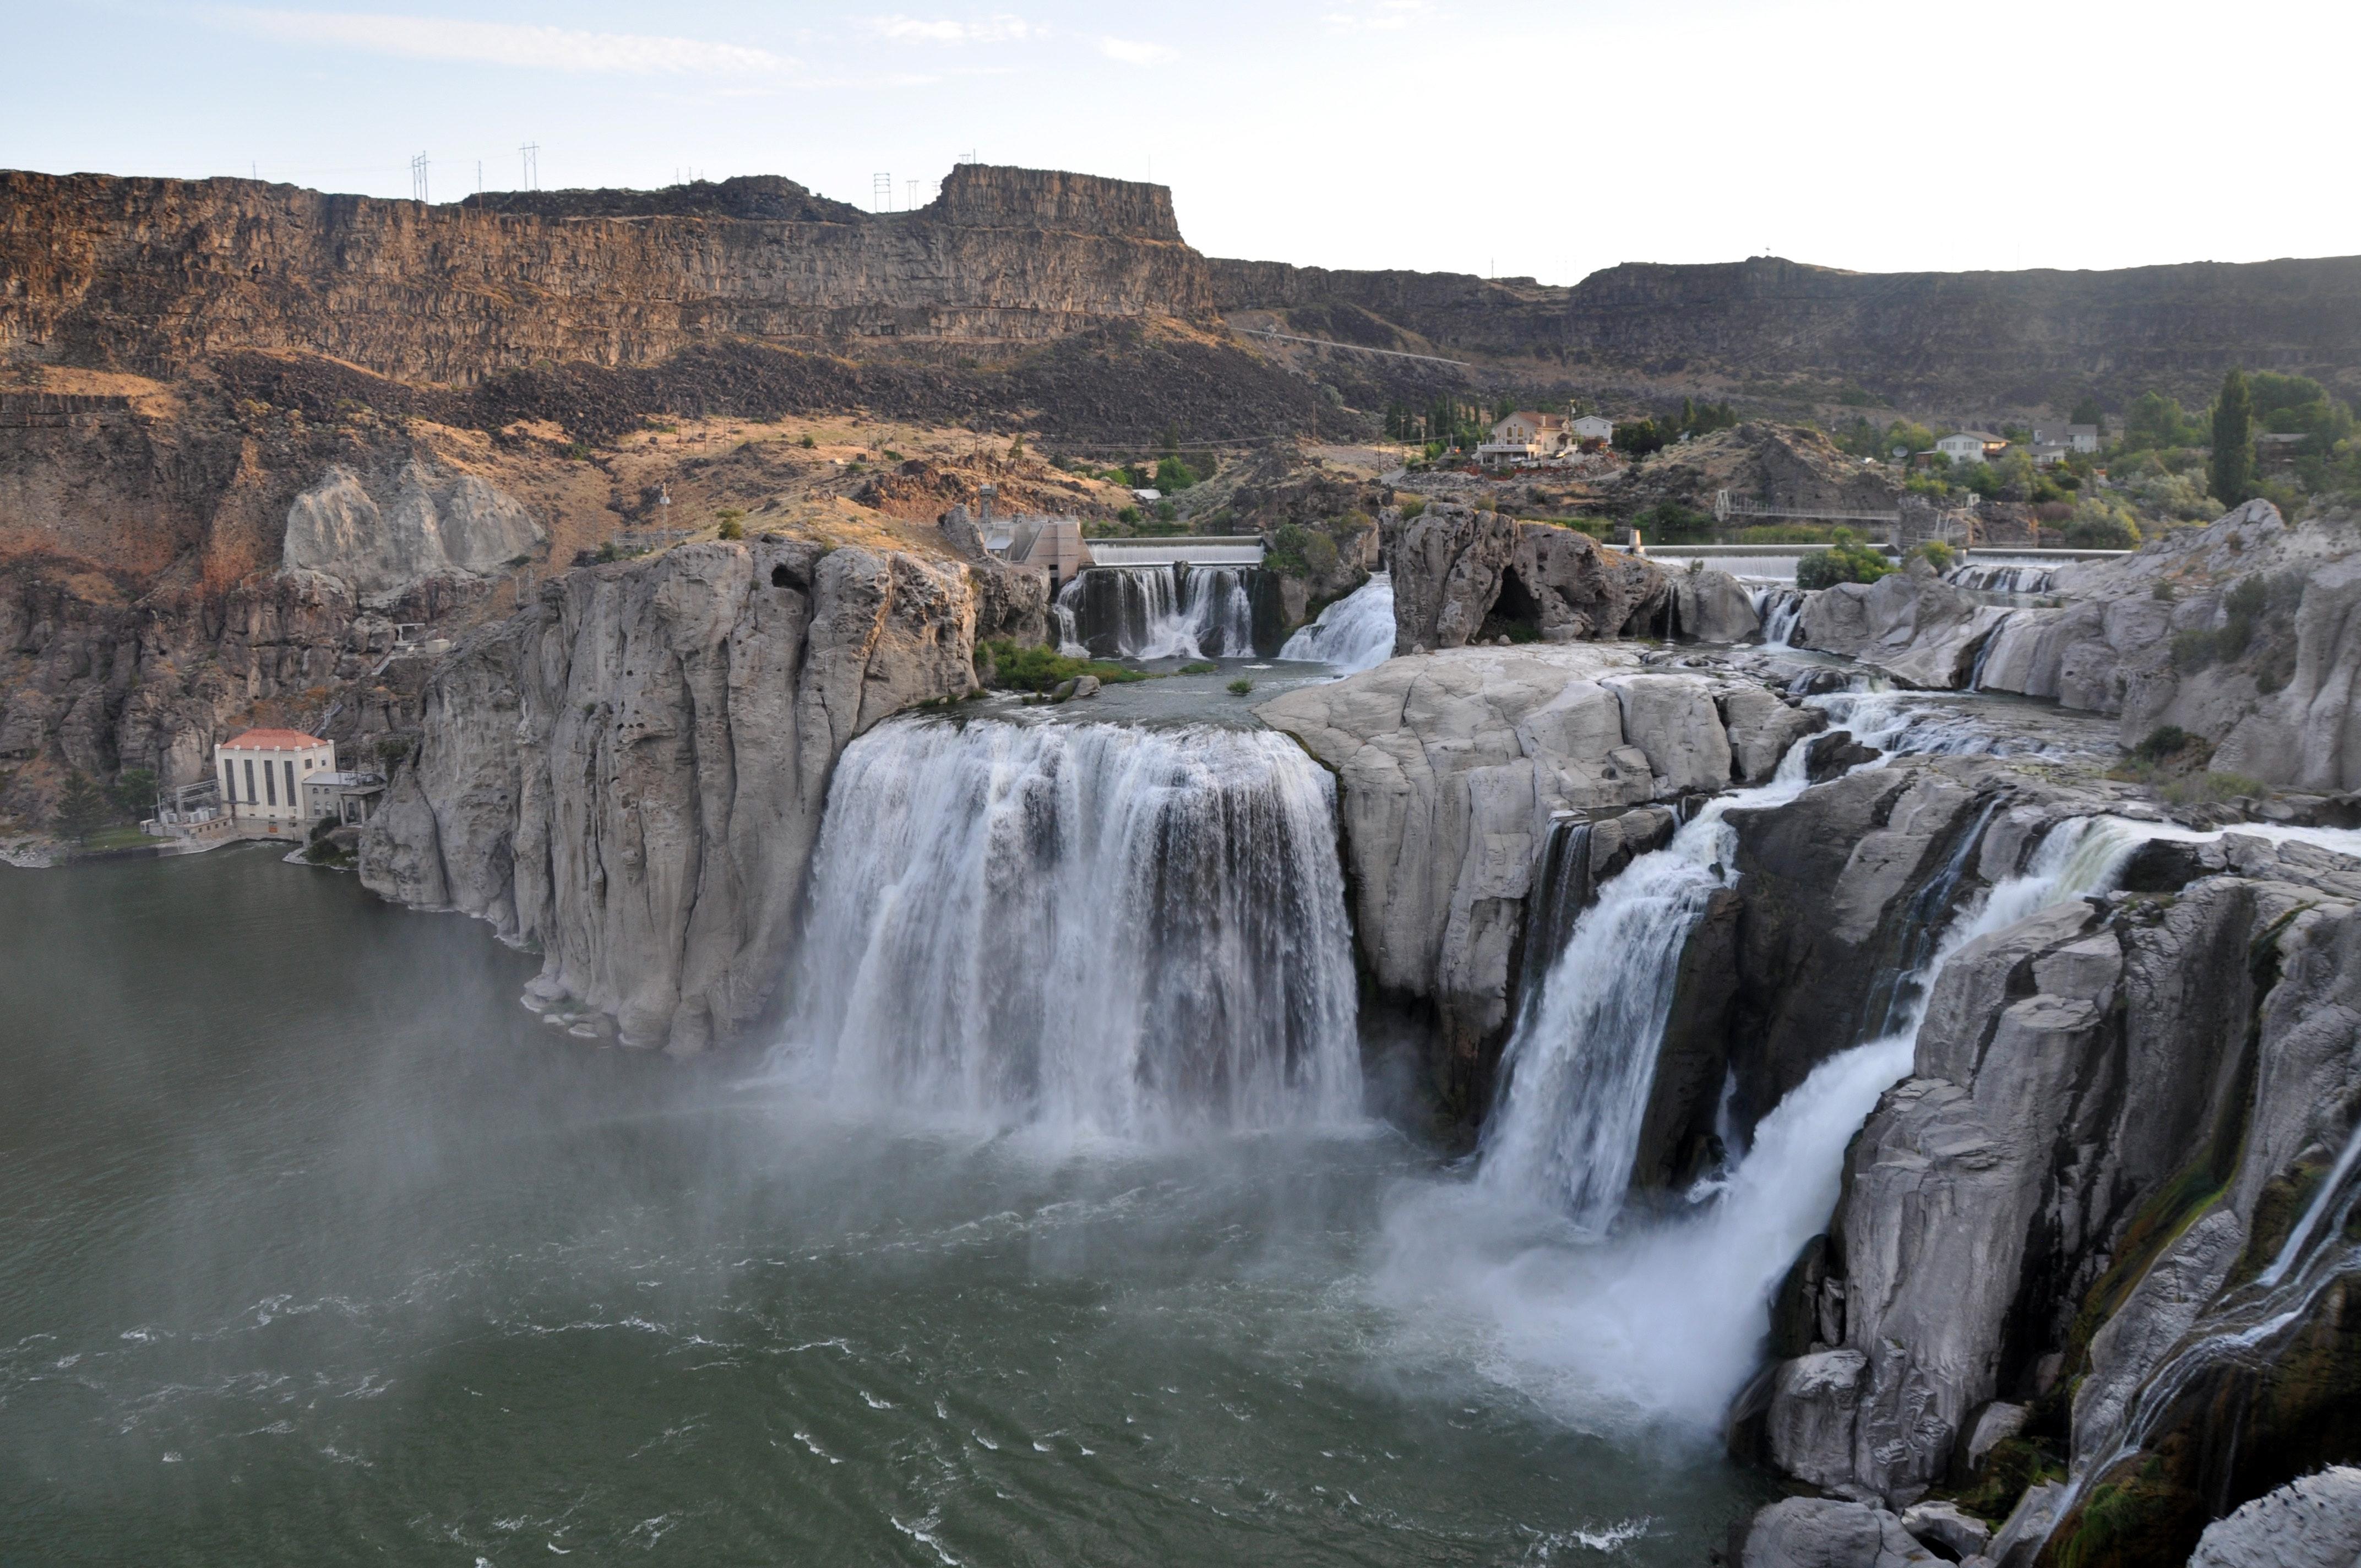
x=910, y=202
x=530, y=155
x=880, y=193
x=418, y=178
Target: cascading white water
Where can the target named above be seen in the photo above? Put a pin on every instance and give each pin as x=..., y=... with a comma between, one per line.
x=1779, y=610
x=2002, y=579
x=1353, y=634
x=1157, y=612
x=1662, y=1324
x=1095, y=928
x=1917, y=723
x=1578, y=1071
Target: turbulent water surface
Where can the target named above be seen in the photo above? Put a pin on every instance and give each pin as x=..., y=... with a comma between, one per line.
x=317, y=1248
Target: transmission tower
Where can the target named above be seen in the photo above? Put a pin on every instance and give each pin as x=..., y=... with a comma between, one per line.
x=910, y=202
x=530, y=155
x=880, y=193
x=418, y=178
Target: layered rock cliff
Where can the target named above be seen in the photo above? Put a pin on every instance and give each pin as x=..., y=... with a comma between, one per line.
x=154, y=274
x=629, y=775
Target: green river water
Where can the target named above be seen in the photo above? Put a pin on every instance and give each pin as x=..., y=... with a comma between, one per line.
x=316, y=1247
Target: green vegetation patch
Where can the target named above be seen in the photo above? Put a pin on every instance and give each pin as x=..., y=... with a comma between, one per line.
x=1015, y=668
x=1846, y=560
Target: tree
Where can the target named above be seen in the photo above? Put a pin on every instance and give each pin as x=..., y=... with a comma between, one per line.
x=2234, y=440
x=83, y=810
x=135, y=790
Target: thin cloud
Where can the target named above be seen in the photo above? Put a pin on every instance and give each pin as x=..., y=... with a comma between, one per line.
x=1002, y=28
x=1132, y=53
x=504, y=43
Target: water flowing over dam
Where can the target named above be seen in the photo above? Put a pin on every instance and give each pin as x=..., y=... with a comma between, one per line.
x=1102, y=928
x=1177, y=611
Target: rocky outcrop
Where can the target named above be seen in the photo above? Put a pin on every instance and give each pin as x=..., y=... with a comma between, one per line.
x=420, y=523
x=1713, y=606
x=1452, y=767
x=629, y=774
x=2247, y=632
x=2313, y=1522
x=1910, y=625
x=1455, y=571
x=2115, y=1110
x=1814, y=1532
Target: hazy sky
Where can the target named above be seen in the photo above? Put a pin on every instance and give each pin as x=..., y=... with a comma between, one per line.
x=1547, y=138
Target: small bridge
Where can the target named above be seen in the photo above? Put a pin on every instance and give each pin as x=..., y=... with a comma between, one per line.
x=1197, y=550
x=1727, y=506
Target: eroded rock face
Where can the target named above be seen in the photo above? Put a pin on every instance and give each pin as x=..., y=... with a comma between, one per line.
x=1453, y=567
x=1912, y=625
x=631, y=774
x=1815, y=1533
x=2103, y=1098
x=423, y=523
x=1452, y=766
x=1712, y=607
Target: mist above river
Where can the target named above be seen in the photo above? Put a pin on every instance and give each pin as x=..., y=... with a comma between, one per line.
x=319, y=1245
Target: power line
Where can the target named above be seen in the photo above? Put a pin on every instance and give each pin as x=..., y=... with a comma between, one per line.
x=418, y=179
x=530, y=155
x=880, y=193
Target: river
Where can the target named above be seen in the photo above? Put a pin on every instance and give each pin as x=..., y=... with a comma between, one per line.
x=317, y=1247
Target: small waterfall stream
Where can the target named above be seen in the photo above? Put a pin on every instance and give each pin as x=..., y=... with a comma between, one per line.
x=1779, y=610
x=1354, y=633
x=1102, y=929
x=1157, y=612
x=1577, y=1072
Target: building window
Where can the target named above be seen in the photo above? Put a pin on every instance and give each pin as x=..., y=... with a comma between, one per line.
x=250, y=796
x=229, y=783
x=293, y=799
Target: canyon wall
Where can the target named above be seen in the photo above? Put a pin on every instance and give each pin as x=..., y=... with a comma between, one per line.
x=1960, y=340
x=629, y=775
x=153, y=274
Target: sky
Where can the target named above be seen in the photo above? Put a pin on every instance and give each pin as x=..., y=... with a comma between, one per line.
x=1544, y=139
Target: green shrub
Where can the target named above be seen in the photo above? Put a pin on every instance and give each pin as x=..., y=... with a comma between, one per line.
x=733, y=522
x=1128, y=515
x=574, y=451
x=1938, y=554
x=1039, y=669
x=1241, y=687
x=1412, y=507
x=1845, y=561
x=2102, y=525
x=806, y=442
x=2162, y=741
x=1174, y=475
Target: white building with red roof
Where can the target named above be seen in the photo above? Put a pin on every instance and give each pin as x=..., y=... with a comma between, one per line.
x=262, y=773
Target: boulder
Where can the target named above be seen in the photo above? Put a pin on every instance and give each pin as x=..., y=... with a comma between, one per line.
x=1713, y=606
x=1818, y=1532
x=1813, y=1401
x=1947, y=1528
x=2311, y=1522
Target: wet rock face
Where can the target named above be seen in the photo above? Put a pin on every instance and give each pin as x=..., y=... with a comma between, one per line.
x=1454, y=569
x=1815, y=1533
x=631, y=774
x=2312, y=1522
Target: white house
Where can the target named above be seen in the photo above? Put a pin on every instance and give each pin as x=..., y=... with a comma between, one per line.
x=2077, y=437
x=1523, y=436
x=1590, y=427
x=1970, y=446
x=262, y=773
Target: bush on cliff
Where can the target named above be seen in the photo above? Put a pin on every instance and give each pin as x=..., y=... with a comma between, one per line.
x=1846, y=560
x=2100, y=524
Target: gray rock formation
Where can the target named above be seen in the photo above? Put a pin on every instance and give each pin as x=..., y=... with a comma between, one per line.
x=1453, y=567
x=630, y=773
x=1452, y=766
x=1814, y=1532
x=423, y=523
x=2311, y=1522
x=1713, y=606
x=2103, y=1098
x=1912, y=625
x=1953, y=1533
x=2246, y=631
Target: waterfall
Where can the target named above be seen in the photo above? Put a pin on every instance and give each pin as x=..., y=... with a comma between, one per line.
x=1178, y=611
x=1096, y=928
x=1779, y=609
x=2001, y=579
x=1985, y=651
x=1353, y=634
x=1579, y=1066
x=1917, y=723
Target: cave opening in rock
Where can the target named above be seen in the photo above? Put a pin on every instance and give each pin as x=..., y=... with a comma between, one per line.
x=1516, y=613
x=784, y=576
